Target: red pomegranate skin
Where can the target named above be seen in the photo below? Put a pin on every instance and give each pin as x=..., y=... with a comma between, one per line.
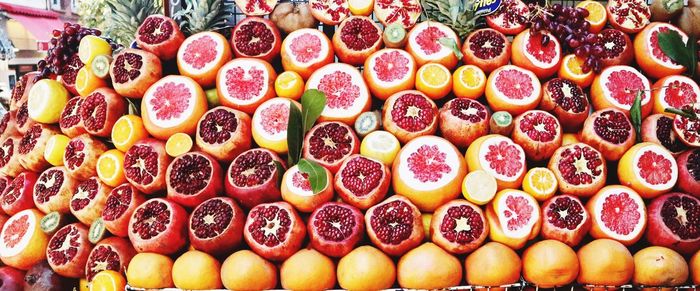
x=659, y=230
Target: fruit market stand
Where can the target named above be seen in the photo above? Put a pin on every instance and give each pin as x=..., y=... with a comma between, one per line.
x=358, y=144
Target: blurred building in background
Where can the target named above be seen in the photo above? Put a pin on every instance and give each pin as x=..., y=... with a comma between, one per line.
x=25, y=30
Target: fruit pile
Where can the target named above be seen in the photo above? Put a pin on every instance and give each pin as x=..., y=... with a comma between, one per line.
x=546, y=148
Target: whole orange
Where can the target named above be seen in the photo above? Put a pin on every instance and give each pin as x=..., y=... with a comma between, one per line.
x=245, y=270
x=366, y=268
x=695, y=268
x=196, y=270
x=550, y=263
x=659, y=266
x=429, y=267
x=150, y=270
x=308, y=270
x=605, y=262
x=503, y=263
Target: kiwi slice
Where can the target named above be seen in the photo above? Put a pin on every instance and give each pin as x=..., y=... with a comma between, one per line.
x=394, y=36
x=367, y=122
x=100, y=66
x=97, y=231
x=501, y=123
x=51, y=222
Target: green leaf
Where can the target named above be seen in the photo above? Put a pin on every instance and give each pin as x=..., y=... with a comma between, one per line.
x=317, y=174
x=691, y=48
x=636, y=114
x=295, y=135
x=451, y=44
x=280, y=172
x=312, y=103
x=673, y=46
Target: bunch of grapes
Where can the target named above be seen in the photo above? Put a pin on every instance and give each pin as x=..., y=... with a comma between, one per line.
x=569, y=26
x=64, y=45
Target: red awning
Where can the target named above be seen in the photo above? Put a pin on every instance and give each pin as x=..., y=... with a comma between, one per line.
x=29, y=11
x=40, y=23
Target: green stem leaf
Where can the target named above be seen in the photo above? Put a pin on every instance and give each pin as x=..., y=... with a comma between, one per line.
x=295, y=135
x=671, y=43
x=686, y=114
x=312, y=103
x=317, y=174
x=280, y=172
x=451, y=44
x=636, y=114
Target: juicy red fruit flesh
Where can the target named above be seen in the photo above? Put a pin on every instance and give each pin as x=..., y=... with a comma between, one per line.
x=274, y=230
x=190, y=174
x=159, y=226
x=413, y=112
x=193, y=178
x=252, y=178
x=216, y=226
x=256, y=37
x=335, y=228
x=260, y=228
x=593, y=164
x=393, y=226
x=330, y=144
x=565, y=220
x=459, y=227
x=68, y=250
x=361, y=176
x=674, y=222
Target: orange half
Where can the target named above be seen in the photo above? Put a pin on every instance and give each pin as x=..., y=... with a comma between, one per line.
x=571, y=69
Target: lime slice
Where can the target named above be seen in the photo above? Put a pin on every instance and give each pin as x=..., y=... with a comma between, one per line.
x=501, y=123
x=100, y=66
x=52, y=222
x=367, y=122
x=97, y=231
x=394, y=36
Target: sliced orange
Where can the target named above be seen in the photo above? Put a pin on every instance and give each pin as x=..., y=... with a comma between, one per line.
x=127, y=131
x=597, y=15
x=290, y=85
x=86, y=81
x=178, y=144
x=469, y=81
x=571, y=69
x=540, y=183
x=108, y=280
x=434, y=80
x=110, y=168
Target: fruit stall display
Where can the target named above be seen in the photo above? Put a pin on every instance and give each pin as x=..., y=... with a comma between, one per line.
x=406, y=144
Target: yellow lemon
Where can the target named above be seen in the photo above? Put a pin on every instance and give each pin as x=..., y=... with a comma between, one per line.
x=55, y=148
x=46, y=101
x=92, y=46
x=380, y=145
x=290, y=85
x=479, y=187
